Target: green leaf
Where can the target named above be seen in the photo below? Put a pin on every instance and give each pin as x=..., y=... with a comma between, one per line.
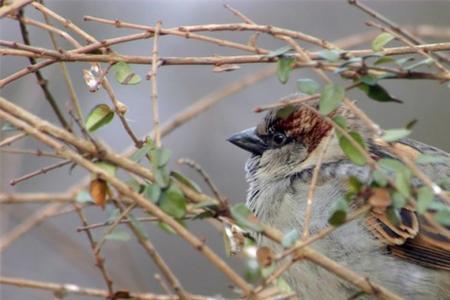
x=338, y=212
x=398, y=200
x=392, y=135
x=424, y=197
x=252, y=271
x=160, y=156
x=173, y=202
x=307, y=86
x=107, y=167
x=402, y=174
x=84, y=197
x=330, y=98
x=135, y=185
x=351, y=151
x=353, y=60
x=410, y=125
x=244, y=217
x=141, y=152
x=152, y=192
x=206, y=204
x=427, y=62
x=118, y=235
x=383, y=60
x=290, y=238
x=204, y=215
x=380, y=178
x=283, y=286
x=167, y=228
x=125, y=75
x=278, y=52
x=377, y=93
x=341, y=122
x=402, y=183
x=369, y=79
x=186, y=181
x=354, y=185
x=393, y=215
x=8, y=127
x=284, y=69
x=443, y=217
x=404, y=60
x=392, y=165
x=329, y=55
x=161, y=176
x=425, y=159
x=99, y=116
x=381, y=40
x=285, y=111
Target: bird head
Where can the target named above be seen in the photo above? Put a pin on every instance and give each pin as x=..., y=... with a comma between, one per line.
x=289, y=140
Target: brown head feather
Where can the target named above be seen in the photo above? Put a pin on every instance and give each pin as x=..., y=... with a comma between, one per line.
x=302, y=124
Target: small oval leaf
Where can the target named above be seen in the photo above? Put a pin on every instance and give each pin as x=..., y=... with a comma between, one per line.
x=381, y=40
x=284, y=69
x=307, y=86
x=424, y=197
x=351, y=151
x=339, y=213
x=125, y=75
x=173, y=202
x=290, y=238
x=330, y=98
x=99, y=116
x=392, y=135
x=244, y=217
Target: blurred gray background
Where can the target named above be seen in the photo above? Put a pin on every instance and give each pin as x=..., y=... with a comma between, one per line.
x=56, y=252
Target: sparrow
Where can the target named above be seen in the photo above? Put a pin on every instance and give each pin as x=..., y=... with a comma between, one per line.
x=410, y=257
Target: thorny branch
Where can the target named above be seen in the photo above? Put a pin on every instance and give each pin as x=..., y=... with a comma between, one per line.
x=84, y=152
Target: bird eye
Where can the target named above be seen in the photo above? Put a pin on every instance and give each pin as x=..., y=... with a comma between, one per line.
x=278, y=138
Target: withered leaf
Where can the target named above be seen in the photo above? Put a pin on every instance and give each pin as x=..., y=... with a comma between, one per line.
x=98, y=189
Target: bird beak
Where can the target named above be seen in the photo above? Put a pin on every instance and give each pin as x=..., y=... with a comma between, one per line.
x=249, y=141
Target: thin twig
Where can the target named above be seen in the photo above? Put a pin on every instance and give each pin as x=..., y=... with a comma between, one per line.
x=38, y=152
x=12, y=6
x=105, y=83
x=40, y=79
x=72, y=93
x=409, y=43
x=395, y=27
x=38, y=198
x=123, y=215
x=323, y=232
x=176, y=32
x=99, y=260
x=150, y=207
x=335, y=268
x=154, y=86
x=43, y=170
x=123, y=221
x=204, y=175
x=313, y=185
x=148, y=246
x=78, y=290
x=9, y=140
x=30, y=223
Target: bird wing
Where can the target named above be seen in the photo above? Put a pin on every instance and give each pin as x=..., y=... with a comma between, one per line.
x=415, y=237
x=418, y=238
